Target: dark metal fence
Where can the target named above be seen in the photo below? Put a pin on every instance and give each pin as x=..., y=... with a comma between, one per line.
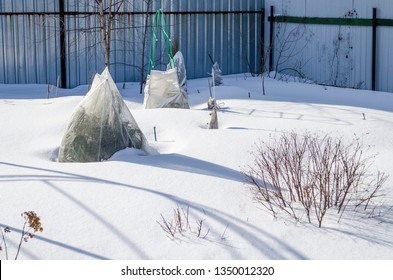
x=41, y=43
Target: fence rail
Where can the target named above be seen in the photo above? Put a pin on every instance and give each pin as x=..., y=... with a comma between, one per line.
x=75, y=13
x=333, y=21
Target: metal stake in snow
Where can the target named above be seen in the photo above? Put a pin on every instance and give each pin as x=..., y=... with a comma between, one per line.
x=155, y=134
x=214, y=86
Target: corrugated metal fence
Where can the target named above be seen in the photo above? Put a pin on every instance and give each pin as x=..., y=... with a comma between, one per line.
x=30, y=38
x=331, y=42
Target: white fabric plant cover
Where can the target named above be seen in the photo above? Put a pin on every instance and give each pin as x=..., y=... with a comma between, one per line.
x=217, y=74
x=181, y=71
x=100, y=125
x=162, y=90
x=213, y=124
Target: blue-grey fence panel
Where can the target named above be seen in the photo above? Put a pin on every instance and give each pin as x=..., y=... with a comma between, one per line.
x=30, y=43
x=334, y=54
x=385, y=59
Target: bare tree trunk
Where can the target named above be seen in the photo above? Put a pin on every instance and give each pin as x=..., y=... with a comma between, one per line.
x=106, y=28
x=108, y=32
x=103, y=27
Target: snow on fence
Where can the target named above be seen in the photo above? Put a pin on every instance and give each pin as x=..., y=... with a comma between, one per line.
x=43, y=40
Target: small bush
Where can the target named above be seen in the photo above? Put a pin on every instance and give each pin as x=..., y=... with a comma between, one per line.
x=311, y=174
x=180, y=224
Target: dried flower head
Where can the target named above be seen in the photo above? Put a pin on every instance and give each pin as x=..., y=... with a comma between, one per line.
x=34, y=222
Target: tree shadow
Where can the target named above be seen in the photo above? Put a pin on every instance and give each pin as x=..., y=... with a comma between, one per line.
x=352, y=224
x=317, y=117
x=55, y=243
x=266, y=243
x=188, y=164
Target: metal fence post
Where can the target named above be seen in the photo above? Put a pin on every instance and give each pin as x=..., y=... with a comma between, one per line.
x=63, y=66
x=374, y=49
x=271, y=45
x=263, y=41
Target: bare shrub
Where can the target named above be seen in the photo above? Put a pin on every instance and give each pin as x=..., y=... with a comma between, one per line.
x=310, y=174
x=167, y=226
x=180, y=224
x=200, y=230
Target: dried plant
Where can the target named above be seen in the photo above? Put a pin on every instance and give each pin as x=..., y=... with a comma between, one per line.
x=168, y=227
x=223, y=237
x=311, y=174
x=199, y=230
x=31, y=226
x=180, y=224
x=3, y=240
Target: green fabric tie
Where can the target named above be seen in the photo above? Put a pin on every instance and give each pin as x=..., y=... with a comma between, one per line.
x=159, y=26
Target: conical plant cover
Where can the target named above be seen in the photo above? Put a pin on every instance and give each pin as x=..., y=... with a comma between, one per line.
x=100, y=125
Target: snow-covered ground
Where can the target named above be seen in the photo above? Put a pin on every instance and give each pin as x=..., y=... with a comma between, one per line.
x=111, y=210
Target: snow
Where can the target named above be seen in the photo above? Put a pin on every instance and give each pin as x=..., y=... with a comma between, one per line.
x=111, y=209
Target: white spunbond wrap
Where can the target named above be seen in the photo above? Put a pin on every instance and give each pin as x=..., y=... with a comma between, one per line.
x=162, y=90
x=217, y=74
x=100, y=125
x=213, y=124
x=181, y=71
